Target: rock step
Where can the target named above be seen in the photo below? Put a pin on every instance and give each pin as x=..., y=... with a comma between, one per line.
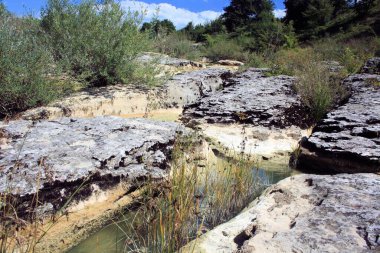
x=56, y=157
x=304, y=213
x=253, y=98
x=347, y=140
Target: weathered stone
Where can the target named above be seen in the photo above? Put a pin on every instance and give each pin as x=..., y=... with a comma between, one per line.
x=186, y=88
x=348, y=139
x=122, y=100
x=231, y=63
x=253, y=114
x=304, y=213
x=372, y=66
x=55, y=157
x=167, y=60
x=332, y=66
x=252, y=98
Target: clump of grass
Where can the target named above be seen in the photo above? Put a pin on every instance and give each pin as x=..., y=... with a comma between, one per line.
x=319, y=88
x=198, y=196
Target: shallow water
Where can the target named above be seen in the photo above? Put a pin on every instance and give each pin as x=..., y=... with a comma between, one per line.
x=111, y=239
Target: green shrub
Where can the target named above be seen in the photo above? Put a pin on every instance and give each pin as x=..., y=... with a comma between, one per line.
x=95, y=41
x=318, y=88
x=220, y=47
x=25, y=65
x=177, y=45
x=350, y=54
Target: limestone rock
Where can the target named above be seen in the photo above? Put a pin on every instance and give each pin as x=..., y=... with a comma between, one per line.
x=167, y=60
x=178, y=91
x=186, y=88
x=372, y=66
x=56, y=157
x=231, y=63
x=252, y=98
x=252, y=113
x=304, y=213
x=348, y=139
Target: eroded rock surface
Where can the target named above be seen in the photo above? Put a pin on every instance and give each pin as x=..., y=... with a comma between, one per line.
x=54, y=157
x=251, y=97
x=167, y=60
x=348, y=138
x=253, y=113
x=372, y=66
x=121, y=100
x=186, y=88
x=304, y=213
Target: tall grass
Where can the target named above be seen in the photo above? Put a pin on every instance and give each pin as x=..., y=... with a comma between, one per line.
x=198, y=196
x=317, y=83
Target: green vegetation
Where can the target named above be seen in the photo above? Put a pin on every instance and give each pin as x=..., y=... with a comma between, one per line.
x=24, y=65
x=157, y=28
x=198, y=196
x=96, y=43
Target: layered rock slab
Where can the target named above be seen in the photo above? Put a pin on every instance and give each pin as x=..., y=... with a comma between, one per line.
x=251, y=97
x=252, y=112
x=348, y=139
x=54, y=157
x=304, y=213
x=121, y=100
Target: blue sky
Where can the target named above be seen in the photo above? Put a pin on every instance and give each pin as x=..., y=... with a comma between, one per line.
x=179, y=11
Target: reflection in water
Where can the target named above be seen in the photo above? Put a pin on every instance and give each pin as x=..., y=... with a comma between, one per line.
x=111, y=239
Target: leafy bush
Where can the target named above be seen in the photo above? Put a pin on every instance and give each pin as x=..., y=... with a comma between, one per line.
x=177, y=45
x=25, y=63
x=96, y=41
x=221, y=47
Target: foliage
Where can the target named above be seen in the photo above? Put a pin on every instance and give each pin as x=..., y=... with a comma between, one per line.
x=195, y=199
x=220, y=48
x=96, y=41
x=177, y=45
x=318, y=87
x=158, y=28
x=314, y=19
x=199, y=32
x=25, y=66
x=242, y=13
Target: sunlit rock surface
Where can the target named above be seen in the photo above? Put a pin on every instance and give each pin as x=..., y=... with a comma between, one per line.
x=253, y=113
x=304, y=213
x=56, y=157
x=348, y=138
x=122, y=100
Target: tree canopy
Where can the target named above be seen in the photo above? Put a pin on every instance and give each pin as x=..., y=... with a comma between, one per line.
x=242, y=13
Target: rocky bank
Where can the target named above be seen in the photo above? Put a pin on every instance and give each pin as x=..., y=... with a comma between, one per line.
x=347, y=140
x=304, y=213
x=55, y=157
x=253, y=113
x=126, y=101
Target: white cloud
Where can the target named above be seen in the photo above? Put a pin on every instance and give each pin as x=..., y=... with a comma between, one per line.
x=180, y=17
x=279, y=13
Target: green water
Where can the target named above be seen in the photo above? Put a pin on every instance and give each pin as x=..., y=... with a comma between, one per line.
x=112, y=238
